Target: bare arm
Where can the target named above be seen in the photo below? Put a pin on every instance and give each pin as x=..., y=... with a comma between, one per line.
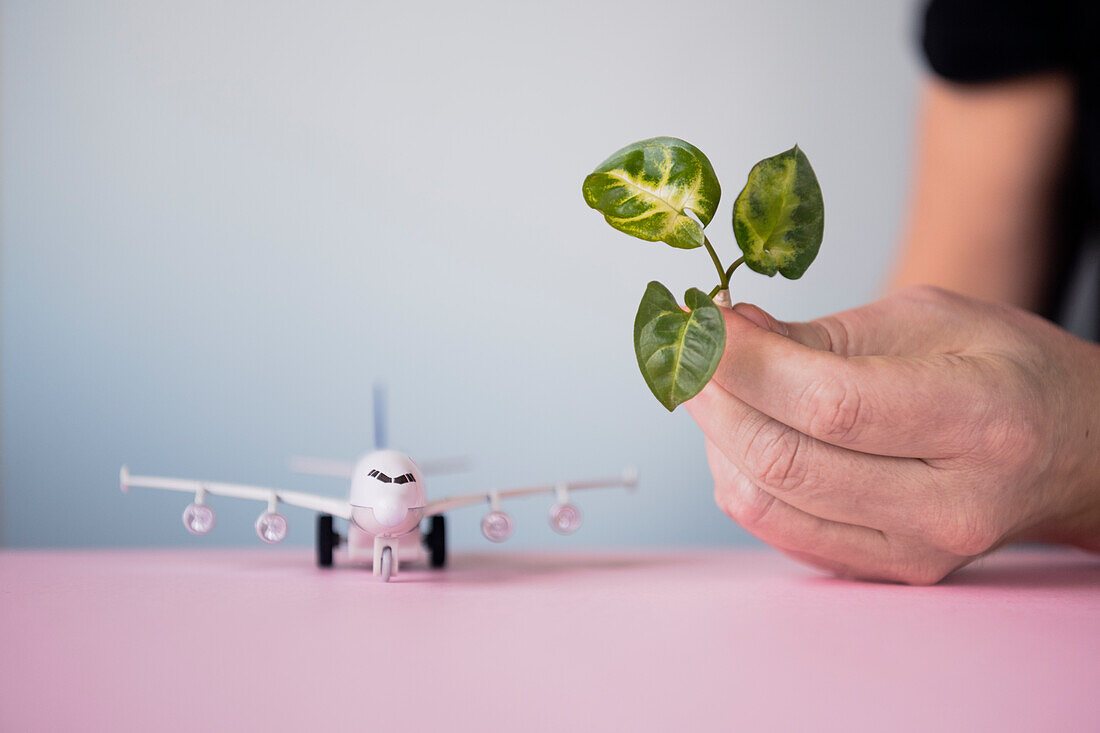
x=989, y=158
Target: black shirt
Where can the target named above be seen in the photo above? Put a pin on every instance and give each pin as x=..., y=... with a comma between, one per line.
x=974, y=41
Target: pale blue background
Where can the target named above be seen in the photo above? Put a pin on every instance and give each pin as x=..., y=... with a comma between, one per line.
x=222, y=221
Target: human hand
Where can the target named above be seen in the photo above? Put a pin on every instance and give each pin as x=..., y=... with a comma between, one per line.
x=902, y=440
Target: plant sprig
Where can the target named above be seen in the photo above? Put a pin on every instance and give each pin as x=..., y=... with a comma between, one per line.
x=665, y=190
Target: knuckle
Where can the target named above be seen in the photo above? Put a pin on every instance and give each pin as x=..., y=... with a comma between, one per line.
x=743, y=501
x=1011, y=434
x=822, y=332
x=833, y=334
x=967, y=535
x=968, y=544
x=1019, y=439
x=834, y=411
x=776, y=457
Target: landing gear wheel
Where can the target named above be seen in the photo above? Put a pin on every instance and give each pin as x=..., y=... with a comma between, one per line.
x=387, y=564
x=327, y=540
x=435, y=541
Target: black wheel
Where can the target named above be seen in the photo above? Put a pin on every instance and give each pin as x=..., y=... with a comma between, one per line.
x=327, y=540
x=385, y=571
x=435, y=541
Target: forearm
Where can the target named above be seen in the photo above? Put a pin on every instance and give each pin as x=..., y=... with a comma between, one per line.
x=980, y=268
x=988, y=162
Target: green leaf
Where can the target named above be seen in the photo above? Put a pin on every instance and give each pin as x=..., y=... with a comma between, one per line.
x=779, y=217
x=677, y=350
x=646, y=190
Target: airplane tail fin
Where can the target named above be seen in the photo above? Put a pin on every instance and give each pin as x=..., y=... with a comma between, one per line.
x=380, y=417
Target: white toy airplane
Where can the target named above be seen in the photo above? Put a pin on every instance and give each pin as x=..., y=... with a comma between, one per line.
x=384, y=508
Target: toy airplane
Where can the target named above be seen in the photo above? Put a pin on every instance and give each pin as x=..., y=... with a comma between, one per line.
x=385, y=506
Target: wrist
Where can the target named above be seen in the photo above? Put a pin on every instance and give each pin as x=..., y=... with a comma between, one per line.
x=1074, y=485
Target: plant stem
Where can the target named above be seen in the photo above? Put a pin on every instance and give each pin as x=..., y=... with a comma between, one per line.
x=733, y=267
x=728, y=273
x=723, y=278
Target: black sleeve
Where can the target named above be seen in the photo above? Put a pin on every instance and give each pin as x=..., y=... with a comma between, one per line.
x=984, y=40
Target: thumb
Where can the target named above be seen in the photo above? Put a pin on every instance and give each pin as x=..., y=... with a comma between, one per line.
x=810, y=334
x=919, y=321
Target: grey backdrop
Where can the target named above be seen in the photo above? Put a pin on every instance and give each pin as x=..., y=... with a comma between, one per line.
x=221, y=222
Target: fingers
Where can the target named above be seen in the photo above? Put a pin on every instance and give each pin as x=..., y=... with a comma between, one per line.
x=827, y=481
x=911, y=406
x=845, y=549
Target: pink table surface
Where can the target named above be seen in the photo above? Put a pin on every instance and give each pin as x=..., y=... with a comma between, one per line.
x=677, y=640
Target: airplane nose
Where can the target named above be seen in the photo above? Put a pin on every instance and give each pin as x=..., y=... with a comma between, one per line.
x=390, y=513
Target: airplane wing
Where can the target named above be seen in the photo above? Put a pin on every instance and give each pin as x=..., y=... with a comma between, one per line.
x=274, y=497
x=628, y=479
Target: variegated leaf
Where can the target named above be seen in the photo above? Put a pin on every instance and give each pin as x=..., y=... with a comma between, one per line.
x=779, y=217
x=677, y=350
x=646, y=190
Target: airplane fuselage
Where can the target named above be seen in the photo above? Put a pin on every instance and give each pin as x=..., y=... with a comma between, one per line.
x=387, y=497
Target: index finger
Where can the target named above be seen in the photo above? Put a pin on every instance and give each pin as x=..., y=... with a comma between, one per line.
x=907, y=406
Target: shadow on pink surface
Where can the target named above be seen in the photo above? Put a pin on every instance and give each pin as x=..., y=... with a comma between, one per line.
x=1049, y=572
x=512, y=568
x=1013, y=569
x=1018, y=569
